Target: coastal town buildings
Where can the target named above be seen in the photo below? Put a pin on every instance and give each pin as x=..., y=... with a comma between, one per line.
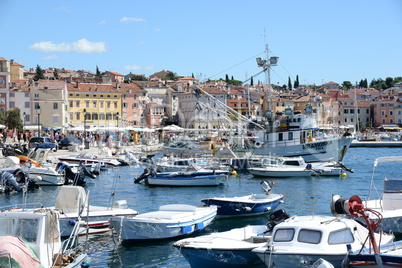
x=68, y=99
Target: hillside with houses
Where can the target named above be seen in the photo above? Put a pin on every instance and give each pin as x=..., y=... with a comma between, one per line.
x=66, y=98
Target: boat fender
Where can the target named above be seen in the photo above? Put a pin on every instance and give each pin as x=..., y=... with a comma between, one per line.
x=257, y=144
x=72, y=222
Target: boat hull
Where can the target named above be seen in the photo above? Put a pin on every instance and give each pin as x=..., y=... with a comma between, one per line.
x=321, y=150
x=232, y=248
x=279, y=173
x=200, y=258
x=206, y=180
x=298, y=259
x=240, y=207
x=161, y=225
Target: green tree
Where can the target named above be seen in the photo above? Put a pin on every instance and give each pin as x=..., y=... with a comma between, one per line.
x=297, y=84
x=171, y=76
x=389, y=81
x=346, y=85
x=56, y=74
x=38, y=73
x=227, y=78
x=2, y=117
x=251, y=81
x=13, y=119
x=98, y=73
x=289, y=83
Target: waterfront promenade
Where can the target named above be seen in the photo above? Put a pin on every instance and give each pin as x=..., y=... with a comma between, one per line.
x=357, y=143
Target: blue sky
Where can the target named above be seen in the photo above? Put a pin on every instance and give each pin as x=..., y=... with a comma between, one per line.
x=319, y=41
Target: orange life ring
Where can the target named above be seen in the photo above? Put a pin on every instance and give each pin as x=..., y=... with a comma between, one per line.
x=24, y=159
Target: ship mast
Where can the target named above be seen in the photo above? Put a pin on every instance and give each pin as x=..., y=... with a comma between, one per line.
x=266, y=65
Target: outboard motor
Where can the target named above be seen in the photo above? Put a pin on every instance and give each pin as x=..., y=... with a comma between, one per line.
x=147, y=172
x=276, y=218
x=70, y=177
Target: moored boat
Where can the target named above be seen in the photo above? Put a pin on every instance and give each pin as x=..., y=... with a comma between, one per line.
x=302, y=240
x=232, y=248
x=31, y=238
x=169, y=221
x=248, y=205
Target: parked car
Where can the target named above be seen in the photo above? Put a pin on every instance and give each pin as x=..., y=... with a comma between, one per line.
x=68, y=141
x=34, y=141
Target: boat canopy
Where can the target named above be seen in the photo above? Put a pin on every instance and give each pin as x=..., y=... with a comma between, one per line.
x=387, y=159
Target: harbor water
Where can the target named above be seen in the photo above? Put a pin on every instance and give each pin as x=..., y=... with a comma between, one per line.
x=302, y=196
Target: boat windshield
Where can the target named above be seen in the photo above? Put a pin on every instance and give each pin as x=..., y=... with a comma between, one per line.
x=26, y=229
x=343, y=236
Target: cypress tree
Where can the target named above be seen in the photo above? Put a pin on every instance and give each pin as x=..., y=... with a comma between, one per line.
x=289, y=83
x=38, y=73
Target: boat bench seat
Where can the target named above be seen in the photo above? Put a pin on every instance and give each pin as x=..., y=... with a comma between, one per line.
x=259, y=196
x=392, y=201
x=178, y=207
x=165, y=215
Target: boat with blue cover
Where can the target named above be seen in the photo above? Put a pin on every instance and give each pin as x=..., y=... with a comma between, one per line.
x=248, y=205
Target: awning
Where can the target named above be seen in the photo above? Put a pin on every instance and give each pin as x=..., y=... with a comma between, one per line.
x=33, y=127
x=390, y=127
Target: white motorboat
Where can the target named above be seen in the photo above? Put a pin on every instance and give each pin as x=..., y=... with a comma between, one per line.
x=248, y=205
x=72, y=201
x=232, y=248
x=301, y=240
x=381, y=255
x=192, y=176
x=169, y=221
x=282, y=167
x=47, y=173
x=389, y=203
x=31, y=238
x=226, y=249
x=89, y=158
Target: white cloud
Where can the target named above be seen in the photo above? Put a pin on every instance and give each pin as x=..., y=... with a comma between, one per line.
x=81, y=46
x=141, y=43
x=137, y=67
x=157, y=29
x=131, y=19
x=62, y=9
x=102, y=22
x=51, y=57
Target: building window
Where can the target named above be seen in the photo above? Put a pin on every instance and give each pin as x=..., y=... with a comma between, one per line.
x=391, y=112
x=94, y=104
x=55, y=106
x=55, y=119
x=77, y=116
x=12, y=104
x=27, y=104
x=77, y=104
x=86, y=104
x=101, y=104
x=345, y=111
x=71, y=104
x=26, y=95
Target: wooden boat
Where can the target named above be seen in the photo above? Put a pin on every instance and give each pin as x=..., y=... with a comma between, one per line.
x=169, y=221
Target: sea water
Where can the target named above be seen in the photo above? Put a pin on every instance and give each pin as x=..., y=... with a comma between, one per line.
x=302, y=196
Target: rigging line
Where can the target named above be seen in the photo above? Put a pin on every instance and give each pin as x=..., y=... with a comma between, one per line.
x=235, y=65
